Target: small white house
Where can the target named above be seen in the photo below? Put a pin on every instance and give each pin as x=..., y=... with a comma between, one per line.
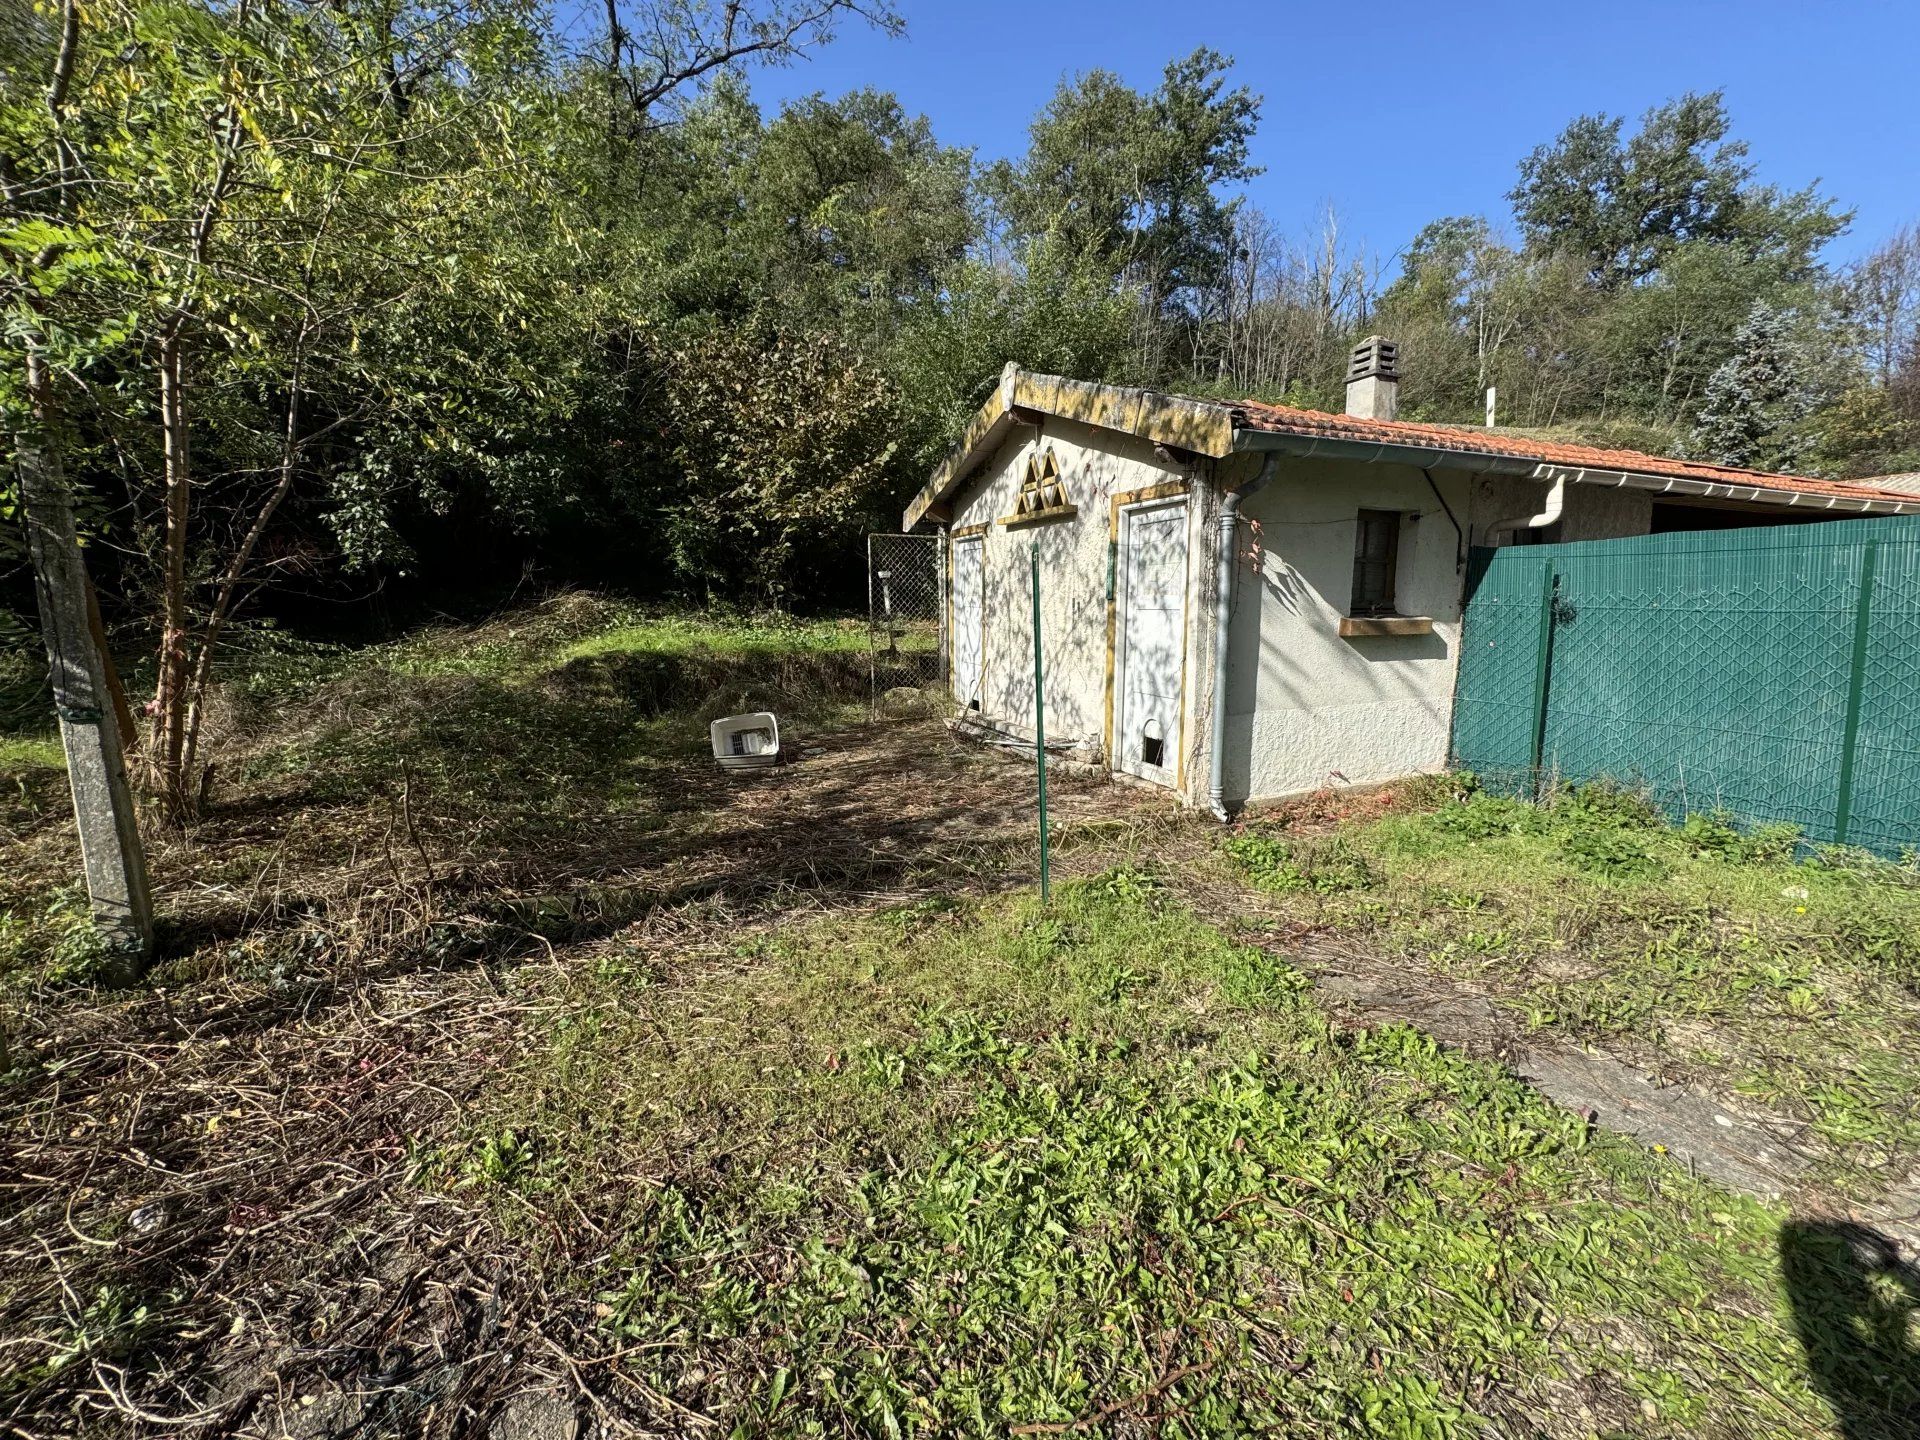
x=1242, y=601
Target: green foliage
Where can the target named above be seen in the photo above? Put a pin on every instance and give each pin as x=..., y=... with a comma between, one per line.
x=1327, y=867
x=1056, y=1194
x=1715, y=835
x=784, y=441
x=56, y=943
x=1756, y=403
x=1133, y=183
x=1625, y=206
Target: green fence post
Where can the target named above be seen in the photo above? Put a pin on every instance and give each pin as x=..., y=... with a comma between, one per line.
x=1543, y=670
x=1856, y=679
x=1040, y=729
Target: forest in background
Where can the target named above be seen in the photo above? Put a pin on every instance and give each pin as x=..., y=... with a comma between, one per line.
x=338, y=302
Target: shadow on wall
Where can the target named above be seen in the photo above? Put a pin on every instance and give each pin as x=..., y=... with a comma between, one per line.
x=1378, y=648
x=1854, y=1305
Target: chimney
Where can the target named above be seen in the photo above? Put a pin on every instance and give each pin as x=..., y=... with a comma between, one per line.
x=1373, y=379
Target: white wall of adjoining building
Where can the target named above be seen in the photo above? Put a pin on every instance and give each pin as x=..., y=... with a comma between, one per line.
x=1095, y=465
x=1307, y=708
x=1591, y=512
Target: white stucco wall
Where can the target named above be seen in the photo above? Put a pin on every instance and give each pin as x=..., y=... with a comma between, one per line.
x=1305, y=707
x=1308, y=709
x=1592, y=512
x=1095, y=466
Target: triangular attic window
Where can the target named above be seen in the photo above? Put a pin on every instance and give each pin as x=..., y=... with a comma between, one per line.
x=1043, y=488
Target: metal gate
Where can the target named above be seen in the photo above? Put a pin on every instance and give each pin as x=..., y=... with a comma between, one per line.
x=906, y=622
x=1773, y=673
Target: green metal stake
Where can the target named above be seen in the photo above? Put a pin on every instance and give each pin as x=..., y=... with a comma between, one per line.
x=1040, y=729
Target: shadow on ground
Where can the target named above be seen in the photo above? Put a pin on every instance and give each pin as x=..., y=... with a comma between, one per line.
x=1854, y=1305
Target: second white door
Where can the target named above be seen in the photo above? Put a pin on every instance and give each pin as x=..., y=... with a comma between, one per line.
x=1151, y=659
x=969, y=622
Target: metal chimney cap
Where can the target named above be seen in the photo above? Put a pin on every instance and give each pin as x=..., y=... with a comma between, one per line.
x=1375, y=355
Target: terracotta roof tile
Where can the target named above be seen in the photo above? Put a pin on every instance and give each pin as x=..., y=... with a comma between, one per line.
x=1286, y=420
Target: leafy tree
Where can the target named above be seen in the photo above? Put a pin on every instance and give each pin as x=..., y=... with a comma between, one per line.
x=1625, y=205
x=783, y=442
x=1758, y=400
x=1135, y=183
x=1884, y=292
x=1048, y=309
x=1864, y=433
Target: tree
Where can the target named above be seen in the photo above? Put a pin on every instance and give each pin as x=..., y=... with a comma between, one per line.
x=48, y=258
x=1758, y=400
x=1624, y=206
x=1135, y=184
x=656, y=49
x=374, y=256
x=784, y=441
x=1885, y=292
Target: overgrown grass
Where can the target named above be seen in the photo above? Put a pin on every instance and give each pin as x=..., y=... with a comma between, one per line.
x=22, y=753
x=515, y=754
x=959, y=1170
x=1787, y=977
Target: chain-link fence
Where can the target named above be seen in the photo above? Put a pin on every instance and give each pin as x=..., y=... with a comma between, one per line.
x=906, y=611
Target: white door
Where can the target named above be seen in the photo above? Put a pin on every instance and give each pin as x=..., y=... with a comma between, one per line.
x=1151, y=656
x=969, y=621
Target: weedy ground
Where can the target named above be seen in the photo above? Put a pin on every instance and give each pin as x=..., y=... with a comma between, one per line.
x=508, y=1064
x=1736, y=960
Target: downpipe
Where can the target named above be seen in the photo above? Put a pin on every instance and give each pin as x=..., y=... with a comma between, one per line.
x=1551, y=511
x=1222, y=616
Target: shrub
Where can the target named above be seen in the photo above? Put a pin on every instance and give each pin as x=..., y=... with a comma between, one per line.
x=1714, y=836
x=1267, y=862
x=1607, y=802
x=1480, y=816
x=1331, y=868
x=1609, y=850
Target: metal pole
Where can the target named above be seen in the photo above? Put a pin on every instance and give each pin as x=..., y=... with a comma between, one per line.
x=1040, y=730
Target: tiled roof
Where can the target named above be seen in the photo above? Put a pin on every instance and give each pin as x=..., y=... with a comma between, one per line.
x=1285, y=420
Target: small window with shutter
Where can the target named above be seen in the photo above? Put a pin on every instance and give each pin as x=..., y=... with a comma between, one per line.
x=1376, y=554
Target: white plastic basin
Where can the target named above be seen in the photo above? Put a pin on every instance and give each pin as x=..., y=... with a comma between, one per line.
x=746, y=742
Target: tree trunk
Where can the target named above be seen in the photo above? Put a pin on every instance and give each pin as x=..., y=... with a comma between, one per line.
x=111, y=854
x=166, y=750
x=229, y=592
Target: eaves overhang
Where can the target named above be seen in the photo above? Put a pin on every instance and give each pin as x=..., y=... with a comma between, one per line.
x=1025, y=397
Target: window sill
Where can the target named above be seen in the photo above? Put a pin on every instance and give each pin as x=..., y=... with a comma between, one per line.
x=1040, y=517
x=1361, y=627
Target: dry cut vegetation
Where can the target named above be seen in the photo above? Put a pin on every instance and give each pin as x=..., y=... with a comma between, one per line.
x=510, y=1068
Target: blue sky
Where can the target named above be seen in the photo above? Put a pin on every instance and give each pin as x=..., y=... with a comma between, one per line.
x=1397, y=113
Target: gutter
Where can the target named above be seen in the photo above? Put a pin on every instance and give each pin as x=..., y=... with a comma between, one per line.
x=1222, y=618
x=1376, y=452
x=1725, y=490
x=1422, y=457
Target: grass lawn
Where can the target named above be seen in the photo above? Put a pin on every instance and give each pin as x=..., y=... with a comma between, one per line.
x=502, y=1047
x=993, y=1168
x=1735, y=961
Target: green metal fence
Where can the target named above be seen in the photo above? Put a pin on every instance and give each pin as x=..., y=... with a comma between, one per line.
x=1773, y=673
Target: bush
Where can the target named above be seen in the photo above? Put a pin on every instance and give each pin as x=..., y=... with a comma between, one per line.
x=1610, y=850
x=1715, y=836
x=1606, y=802
x=1332, y=868
x=1481, y=816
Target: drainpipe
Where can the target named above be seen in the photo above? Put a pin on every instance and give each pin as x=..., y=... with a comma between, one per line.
x=1222, y=617
x=1549, y=512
